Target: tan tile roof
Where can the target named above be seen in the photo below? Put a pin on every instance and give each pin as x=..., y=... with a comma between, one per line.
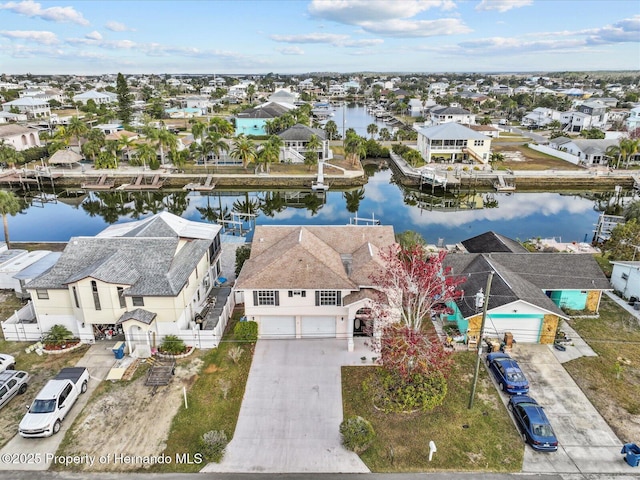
x=312, y=257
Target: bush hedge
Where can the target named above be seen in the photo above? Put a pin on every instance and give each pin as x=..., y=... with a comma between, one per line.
x=246, y=331
x=357, y=434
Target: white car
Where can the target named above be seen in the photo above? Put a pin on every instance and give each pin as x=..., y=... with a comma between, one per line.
x=7, y=362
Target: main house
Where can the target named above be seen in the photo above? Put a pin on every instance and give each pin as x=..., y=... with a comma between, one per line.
x=149, y=277
x=312, y=281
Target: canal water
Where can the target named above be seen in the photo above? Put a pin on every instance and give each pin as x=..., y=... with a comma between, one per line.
x=447, y=219
x=355, y=116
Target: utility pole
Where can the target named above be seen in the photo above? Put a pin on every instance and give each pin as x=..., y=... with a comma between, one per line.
x=484, y=317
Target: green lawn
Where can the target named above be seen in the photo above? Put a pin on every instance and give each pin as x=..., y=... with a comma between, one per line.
x=481, y=439
x=208, y=410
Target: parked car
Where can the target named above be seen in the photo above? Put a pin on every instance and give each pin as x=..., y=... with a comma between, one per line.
x=533, y=423
x=507, y=373
x=53, y=403
x=12, y=383
x=7, y=362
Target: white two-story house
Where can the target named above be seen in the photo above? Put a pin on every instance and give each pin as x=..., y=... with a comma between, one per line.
x=312, y=281
x=149, y=277
x=453, y=142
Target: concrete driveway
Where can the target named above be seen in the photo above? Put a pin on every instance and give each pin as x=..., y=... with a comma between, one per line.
x=291, y=411
x=586, y=442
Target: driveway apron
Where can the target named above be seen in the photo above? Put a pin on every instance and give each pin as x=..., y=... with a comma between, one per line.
x=292, y=408
x=586, y=442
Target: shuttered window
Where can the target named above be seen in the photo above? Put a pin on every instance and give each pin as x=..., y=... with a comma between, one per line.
x=266, y=297
x=328, y=297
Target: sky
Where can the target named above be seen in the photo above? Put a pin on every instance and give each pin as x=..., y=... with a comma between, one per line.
x=297, y=36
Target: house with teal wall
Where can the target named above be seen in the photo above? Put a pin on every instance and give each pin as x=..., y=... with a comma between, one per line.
x=253, y=120
x=530, y=292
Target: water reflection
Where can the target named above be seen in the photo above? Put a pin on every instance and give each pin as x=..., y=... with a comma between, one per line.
x=452, y=216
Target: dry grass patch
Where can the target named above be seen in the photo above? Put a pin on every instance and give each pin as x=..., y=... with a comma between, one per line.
x=611, y=380
x=533, y=160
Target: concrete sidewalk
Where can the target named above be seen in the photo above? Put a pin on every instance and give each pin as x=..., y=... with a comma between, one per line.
x=291, y=412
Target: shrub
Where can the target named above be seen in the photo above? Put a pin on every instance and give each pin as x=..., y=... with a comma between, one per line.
x=246, y=331
x=173, y=345
x=212, y=445
x=242, y=255
x=225, y=386
x=58, y=335
x=235, y=353
x=357, y=434
x=392, y=393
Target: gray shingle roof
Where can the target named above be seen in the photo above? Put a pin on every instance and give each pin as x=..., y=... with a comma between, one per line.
x=150, y=265
x=524, y=276
x=139, y=314
x=492, y=242
x=301, y=133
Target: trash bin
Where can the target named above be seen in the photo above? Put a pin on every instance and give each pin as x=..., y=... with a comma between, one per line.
x=118, y=350
x=636, y=306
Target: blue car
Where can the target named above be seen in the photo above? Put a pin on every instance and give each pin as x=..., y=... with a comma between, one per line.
x=533, y=423
x=507, y=373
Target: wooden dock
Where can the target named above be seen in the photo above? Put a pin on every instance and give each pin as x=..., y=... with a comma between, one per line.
x=101, y=184
x=144, y=182
x=206, y=186
x=502, y=185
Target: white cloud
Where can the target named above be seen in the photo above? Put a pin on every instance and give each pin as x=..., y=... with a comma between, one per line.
x=42, y=37
x=293, y=50
x=95, y=35
x=417, y=28
x=30, y=8
x=354, y=12
x=502, y=5
x=118, y=27
x=626, y=30
x=331, y=38
x=327, y=38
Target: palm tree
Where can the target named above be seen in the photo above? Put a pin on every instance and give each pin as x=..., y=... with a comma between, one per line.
x=385, y=135
x=126, y=145
x=354, y=147
x=113, y=147
x=222, y=126
x=243, y=149
x=197, y=129
x=268, y=155
x=77, y=128
x=314, y=144
x=9, y=205
x=166, y=139
x=372, y=129
x=216, y=144
x=146, y=153
x=331, y=129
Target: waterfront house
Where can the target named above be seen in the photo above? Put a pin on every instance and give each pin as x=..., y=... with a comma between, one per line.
x=327, y=289
x=530, y=292
x=439, y=114
x=453, y=143
x=633, y=120
x=150, y=278
x=19, y=137
x=30, y=106
x=589, y=151
x=625, y=278
x=295, y=141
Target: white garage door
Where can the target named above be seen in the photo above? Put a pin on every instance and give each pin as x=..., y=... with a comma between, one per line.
x=278, y=327
x=319, y=327
x=524, y=330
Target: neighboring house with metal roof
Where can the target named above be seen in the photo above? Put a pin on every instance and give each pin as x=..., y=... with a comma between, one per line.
x=152, y=277
x=312, y=281
x=253, y=120
x=97, y=97
x=453, y=143
x=30, y=106
x=297, y=138
x=19, y=137
x=528, y=292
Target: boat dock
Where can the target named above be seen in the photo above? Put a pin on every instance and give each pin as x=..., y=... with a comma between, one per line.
x=205, y=186
x=102, y=183
x=143, y=182
x=502, y=185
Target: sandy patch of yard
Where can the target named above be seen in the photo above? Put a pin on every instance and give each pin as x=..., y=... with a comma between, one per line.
x=126, y=419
